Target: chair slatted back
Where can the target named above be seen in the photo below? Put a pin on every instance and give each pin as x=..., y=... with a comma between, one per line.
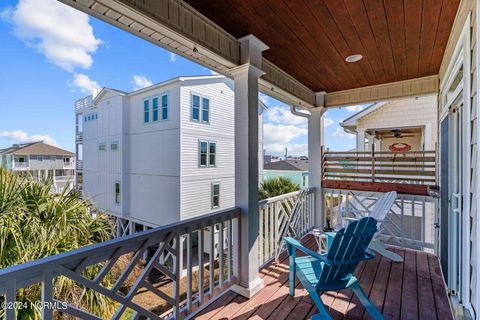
x=383, y=206
x=347, y=250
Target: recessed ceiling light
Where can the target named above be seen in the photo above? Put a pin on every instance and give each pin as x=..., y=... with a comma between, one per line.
x=354, y=58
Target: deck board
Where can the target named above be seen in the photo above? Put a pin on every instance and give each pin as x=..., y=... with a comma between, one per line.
x=414, y=289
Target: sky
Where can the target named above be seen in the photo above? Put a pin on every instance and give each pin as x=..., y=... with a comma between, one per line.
x=53, y=55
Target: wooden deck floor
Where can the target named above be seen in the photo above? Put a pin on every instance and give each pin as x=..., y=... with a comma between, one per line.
x=411, y=290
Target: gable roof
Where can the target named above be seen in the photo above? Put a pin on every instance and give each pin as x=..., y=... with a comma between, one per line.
x=287, y=165
x=104, y=91
x=351, y=122
x=37, y=148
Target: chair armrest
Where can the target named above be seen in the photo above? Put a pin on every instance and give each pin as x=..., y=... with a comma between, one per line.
x=350, y=218
x=384, y=221
x=297, y=245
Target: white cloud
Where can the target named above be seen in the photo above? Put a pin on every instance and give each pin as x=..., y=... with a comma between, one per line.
x=292, y=149
x=284, y=116
x=327, y=121
x=61, y=33
x=172, y=57
x=279, y=133
x=140, y=82
x=19, y=136
x=340, y=133
x=83, y=83
x=356, y=108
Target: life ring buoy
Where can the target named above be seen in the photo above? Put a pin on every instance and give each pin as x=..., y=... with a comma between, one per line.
x=400, y=147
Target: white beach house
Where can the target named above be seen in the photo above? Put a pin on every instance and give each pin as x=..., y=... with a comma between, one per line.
x=160, y=154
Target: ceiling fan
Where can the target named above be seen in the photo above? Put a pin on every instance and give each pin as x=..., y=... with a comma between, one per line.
x=394, y=134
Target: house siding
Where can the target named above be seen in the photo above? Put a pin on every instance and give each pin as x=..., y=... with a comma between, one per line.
x=404, y=113
x=157, y=162
x=196, y=181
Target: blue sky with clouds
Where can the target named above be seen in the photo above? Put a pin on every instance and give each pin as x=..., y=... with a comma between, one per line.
x=53, y=55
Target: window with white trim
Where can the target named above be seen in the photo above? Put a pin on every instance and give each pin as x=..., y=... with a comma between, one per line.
x=114, y=146
x=200, y=109
x=117, y=192
x=215, y=195
x=207, y=153
x=102, y=146
x=205, y=110
x=195, y=108
x=146, y=111
x=203, y=153
x=164, y=107
x=212, y=154
x=155, y=109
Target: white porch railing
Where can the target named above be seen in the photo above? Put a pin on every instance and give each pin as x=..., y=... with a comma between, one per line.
x=79, y=165
x=207, y=276
x=83, y=103
x=289, y=214
x=410, y=222
x=21, y=165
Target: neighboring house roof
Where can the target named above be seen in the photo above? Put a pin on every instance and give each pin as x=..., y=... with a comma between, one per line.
x=287, y=165
x=351, y=122
x=37, y=148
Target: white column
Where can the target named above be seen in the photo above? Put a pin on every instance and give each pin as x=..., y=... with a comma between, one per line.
x=360, y=139
x=315, y=138
x=371, y=141
x=246, y=162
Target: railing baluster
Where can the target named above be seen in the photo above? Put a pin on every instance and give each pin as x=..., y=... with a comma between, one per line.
x=47, y=292
x=272, y=234
x=212, y=260
x=423, y=222
x=10, y=299
x=201, y=263
x=189, y=270
x=260, y=235
x=402, y=224
x=177, y=270
x=229, y=250
x=412, y=229
x=220, y=255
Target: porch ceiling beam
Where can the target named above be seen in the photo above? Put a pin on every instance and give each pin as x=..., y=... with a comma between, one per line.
x=177, y=27
x=382, y=92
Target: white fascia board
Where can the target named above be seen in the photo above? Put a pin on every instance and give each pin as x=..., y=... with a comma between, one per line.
x=352, y=121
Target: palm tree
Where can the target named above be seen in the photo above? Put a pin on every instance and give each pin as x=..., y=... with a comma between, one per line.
x=276, y=186
x=34, y=223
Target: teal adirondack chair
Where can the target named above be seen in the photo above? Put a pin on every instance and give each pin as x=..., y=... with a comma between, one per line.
x=334, y=270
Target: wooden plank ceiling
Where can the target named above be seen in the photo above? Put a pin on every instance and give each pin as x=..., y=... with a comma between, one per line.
x=310, y=39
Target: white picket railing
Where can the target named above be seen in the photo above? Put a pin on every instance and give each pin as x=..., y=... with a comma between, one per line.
x=410, y=222
x=158, y=243
x=289, y=214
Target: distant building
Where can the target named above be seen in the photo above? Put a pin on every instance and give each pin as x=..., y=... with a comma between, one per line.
x=41, y=161
x=161, y=154
x=396, y=126
x=295, y=170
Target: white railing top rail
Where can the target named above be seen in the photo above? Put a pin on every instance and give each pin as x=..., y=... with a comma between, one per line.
x=84, y=102
x=32, y=272
x=428, y=198
x=283, y=196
